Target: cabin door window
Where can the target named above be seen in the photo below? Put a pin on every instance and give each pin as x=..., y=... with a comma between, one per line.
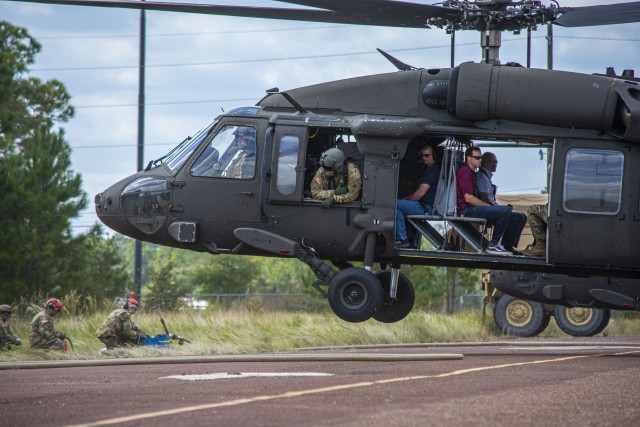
x=593, y=181
x=287, y=165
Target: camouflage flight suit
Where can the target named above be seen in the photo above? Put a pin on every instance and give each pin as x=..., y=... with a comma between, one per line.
x=320, y=185
x=42, y=333
x=6, y=335
x=537, y=217
x=242, y=166
x=118, y=330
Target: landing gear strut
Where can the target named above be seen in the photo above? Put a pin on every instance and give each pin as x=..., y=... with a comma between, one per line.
x=398, y=306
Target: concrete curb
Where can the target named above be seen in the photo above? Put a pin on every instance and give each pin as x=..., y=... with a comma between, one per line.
x=364, y=357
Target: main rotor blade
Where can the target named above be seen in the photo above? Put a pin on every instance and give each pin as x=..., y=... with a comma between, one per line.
x=610, y=14
x=374, y=9
x=359, y=12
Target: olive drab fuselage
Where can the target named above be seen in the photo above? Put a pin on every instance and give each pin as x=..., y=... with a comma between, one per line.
x=270, y=211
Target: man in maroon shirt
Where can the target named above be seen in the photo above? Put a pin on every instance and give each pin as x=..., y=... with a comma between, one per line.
x=471, y=206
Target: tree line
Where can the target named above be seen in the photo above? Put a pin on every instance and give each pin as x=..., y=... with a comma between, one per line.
x=41, y=194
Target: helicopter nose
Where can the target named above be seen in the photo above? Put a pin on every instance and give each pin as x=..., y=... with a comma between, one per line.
x=136, y=207
x=107, y=204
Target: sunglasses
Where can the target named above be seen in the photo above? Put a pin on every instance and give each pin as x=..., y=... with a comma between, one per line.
x=476, y=157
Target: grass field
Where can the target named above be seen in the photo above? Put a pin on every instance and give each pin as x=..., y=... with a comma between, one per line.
x=233, y=331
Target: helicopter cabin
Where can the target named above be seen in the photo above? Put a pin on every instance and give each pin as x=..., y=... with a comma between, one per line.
x=593, y=197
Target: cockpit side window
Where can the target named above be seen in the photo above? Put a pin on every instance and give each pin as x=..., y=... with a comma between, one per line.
x=231, y=154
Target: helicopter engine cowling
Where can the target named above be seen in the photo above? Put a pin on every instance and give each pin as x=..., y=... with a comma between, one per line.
x=550, y=98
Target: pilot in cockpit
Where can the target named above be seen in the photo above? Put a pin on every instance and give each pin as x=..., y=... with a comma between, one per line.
x=239, y=160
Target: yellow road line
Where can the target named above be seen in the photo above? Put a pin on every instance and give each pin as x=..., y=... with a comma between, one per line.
x=291, y=394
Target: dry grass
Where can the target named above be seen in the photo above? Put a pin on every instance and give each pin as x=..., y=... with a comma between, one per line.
x=233, y=331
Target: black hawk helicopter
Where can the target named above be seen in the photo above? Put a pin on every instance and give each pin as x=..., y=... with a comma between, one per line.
x=189, y=198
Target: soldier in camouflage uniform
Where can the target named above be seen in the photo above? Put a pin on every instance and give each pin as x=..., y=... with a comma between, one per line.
x=118, y=330
x=537, y=218
x=240, y=163
x=42, y=333
x=330, y=184
x=7, y=337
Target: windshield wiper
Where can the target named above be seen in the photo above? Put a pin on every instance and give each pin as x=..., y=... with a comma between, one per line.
x=158, y=162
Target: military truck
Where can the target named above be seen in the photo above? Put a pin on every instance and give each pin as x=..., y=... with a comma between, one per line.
x=508, y=290
x=516, y=315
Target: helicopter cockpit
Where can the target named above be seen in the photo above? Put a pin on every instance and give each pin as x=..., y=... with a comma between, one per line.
x=238, y=145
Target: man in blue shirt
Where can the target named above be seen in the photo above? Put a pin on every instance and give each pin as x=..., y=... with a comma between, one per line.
x=471, y=206
x=487, y=193
x=421, y=200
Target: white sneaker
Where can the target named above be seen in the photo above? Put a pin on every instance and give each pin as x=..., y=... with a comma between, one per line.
x=497, y=249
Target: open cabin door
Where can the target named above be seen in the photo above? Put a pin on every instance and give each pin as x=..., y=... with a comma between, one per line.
x=594, y=208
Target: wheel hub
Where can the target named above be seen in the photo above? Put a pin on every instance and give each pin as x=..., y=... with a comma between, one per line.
x=519, y=313
x=579, y=315
x=353, y=295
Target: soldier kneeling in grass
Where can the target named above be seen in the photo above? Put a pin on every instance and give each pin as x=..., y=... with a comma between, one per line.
x=118, y=330
x=42, y=334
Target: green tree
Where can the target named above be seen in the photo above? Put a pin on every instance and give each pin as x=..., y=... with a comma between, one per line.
x=285, y=276
x=95, y=267
x=439, y=288
x=42, y=194
x=26, y=103
x=223, y=273
x=167, y=284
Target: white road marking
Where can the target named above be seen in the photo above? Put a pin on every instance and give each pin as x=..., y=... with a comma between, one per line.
x=234, y=375
x=329, y=389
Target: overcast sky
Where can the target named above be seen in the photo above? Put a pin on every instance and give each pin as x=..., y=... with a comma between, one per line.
x=199, y=65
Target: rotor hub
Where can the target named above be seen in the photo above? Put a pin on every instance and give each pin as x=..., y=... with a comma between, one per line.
x=500, y=15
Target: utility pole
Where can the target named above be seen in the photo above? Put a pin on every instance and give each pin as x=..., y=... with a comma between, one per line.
x=141, y=85
x=549, y=67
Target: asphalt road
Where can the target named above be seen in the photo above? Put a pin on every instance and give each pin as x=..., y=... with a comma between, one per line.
x=586, y=382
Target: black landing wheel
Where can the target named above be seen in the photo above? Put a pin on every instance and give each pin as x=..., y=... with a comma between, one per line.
x=355, y=294
x=393, y=310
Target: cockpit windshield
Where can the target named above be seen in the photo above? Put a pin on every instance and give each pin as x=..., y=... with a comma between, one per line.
x=179, y=154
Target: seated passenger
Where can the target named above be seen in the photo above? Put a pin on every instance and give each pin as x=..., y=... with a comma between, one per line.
x=330, y=184
x=487, y=193
x=471, y=206
x=421, y=200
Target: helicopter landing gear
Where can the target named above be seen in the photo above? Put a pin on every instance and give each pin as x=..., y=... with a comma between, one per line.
x=355, y=294
x=581, y=321
x=520, y=317
x=395, y=308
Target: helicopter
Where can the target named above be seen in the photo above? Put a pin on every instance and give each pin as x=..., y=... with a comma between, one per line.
x=591, y=124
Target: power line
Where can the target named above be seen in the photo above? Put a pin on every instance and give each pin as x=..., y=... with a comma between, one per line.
x=607, y=39
x=254, y=60
x=304, y=57
x=203, y=33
